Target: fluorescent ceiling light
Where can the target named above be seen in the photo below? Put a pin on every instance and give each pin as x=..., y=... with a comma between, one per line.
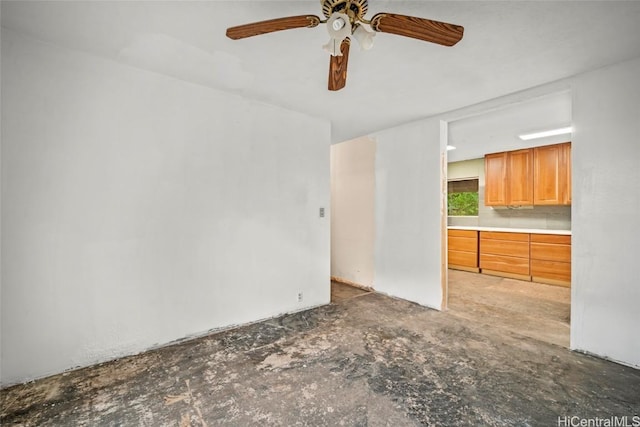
x=450, y=147
x=545, y=133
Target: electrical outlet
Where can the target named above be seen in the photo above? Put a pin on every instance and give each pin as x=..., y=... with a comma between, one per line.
x=300, y=296
x=321, y=212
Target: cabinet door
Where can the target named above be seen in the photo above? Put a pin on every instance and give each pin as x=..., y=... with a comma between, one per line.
x=520, y=177
x=548, y=175
x=463, y=250
x=566, y=199
x=552, y=175
x=505, y=254
x=495, y=178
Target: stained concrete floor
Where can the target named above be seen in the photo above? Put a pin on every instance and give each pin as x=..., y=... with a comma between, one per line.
x=532, y=309
x=368, y=360
x=341, y=292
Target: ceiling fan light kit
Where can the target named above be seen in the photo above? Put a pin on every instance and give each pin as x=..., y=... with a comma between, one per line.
x=364, y=37
x=339, y=28
x=345, y=18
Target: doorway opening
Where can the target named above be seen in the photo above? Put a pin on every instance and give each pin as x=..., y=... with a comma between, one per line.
x=352, y=174
x=508, y=266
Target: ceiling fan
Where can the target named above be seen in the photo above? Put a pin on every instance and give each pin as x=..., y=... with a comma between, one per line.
x=345, y=18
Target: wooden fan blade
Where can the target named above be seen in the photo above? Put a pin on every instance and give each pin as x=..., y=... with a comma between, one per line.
x=418, y=28
x=338, y=67
x=272, y=25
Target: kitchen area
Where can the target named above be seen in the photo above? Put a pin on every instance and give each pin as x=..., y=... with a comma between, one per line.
x=522, y=227
x=509, y=218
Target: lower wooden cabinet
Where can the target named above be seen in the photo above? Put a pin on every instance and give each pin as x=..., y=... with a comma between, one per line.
x=551, y=259
x=544, y=258
x=505, y=254
x=463, y=250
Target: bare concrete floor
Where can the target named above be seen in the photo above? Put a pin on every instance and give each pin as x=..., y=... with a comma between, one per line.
x=535, y=310
x=341, y=292
x=364, y=361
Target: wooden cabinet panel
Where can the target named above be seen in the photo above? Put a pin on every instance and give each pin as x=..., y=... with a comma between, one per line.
x=505, y=254
x=550, y=252
x=504, y=247
x=552, y=175
x=552, y=272
x=544, y=258
x=504, y=235
x=547, y=174
x=567, y=163
x=495, y=178
x=508, y=178
x=463, y=259
x=467, y=244
x=462, y=233
x=520, y=177
x=533, y=176
x=497, y=264
x=463, y=249
x=551, y=259
x=561, y=239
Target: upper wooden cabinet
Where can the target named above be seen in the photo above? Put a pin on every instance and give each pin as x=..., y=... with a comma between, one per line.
x=495, y=179
x=567, y=163
x=509, y=178
x=520, y=181
x=533, y=176
x=552, y=175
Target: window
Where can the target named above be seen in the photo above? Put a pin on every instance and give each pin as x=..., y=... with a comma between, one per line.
x=462, y=197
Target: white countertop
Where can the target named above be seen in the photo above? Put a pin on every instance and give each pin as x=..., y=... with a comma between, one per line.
x=512, y=230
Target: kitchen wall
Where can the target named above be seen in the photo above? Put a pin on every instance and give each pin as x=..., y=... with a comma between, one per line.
x=352, y=211
x=408, y=212
x=606, y=203
x=541, y=217
x=138, y=209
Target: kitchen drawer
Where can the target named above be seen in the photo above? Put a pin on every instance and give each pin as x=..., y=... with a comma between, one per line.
x=550, y=252
x=463, y=259
x=551, y=238
x=506, y=264
x=505, y=247
x=467, y=244
x=500, y=235
x=553, y=272
x=463, y=233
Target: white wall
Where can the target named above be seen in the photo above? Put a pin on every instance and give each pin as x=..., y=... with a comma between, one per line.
x=466, y=169
x=138, y=209
x=408, y=195
x=352, y=210
x=605, y=309
x=606, y=202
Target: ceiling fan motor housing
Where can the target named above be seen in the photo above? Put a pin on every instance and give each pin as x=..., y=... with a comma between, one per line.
x=357, y=7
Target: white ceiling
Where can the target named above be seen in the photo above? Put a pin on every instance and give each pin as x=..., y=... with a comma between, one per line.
x=498, y=129
x=507, y=47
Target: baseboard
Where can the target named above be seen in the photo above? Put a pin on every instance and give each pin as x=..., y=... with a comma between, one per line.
x=610, y=359
x=553, y=282
x=524, y=277
x=464, y=268
x=350, y=283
